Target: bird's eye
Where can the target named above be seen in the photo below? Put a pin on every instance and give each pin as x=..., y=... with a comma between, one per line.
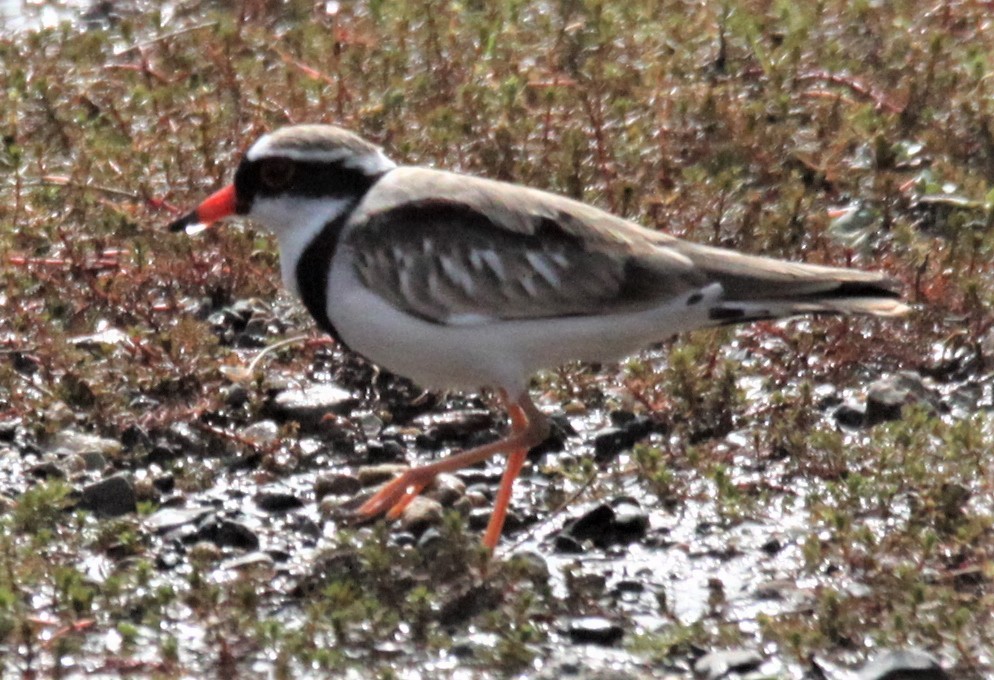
x=276, y=174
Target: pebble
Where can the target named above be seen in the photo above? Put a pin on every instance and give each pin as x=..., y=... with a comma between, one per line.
x=454, y=425
x=262, y=432
x=80, y=443
x=608, y=443
x=902, y=664
x=447, y=489
x=887, y=396
x=226, y=532
x=605, y=526
x=48, y=469
x=309, y=405
x=378, y=474
x=110, y=497
x=421, y=513
x=168, y=519
x=336, y=485
x=249, y=560
x=594, y=630
x=385, y=451
x=850, y=415
x=721, y=663
x=277, y=501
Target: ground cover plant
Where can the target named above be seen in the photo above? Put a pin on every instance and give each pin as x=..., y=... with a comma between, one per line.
x=179, y=446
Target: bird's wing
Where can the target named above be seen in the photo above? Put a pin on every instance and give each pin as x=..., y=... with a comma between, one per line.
x=463, y=250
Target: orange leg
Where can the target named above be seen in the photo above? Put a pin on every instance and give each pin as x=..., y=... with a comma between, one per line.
x=528, y=428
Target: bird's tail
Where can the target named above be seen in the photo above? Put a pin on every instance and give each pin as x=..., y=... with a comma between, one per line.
x=757, y=288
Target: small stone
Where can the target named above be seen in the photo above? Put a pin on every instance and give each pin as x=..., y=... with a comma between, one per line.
x=887, y=396
x=225, y=532
x=277, y=501
x=204, y=553
x=184, y=437
x=168, y=519
x=613, y=440
x=48, y=469
x=721, y=663
x=236, y=395
x=606, y=525
x=110, y=497
x=454, y=425
x=903, y=664
x=309, y=405
x=78, y=442
x=261, y=432
x=594, y=630
x=252, y=560
x=93, y=460
x=851, y=415
x=145, y=490
x=134, y=436
x=380, y=452
x=378, y=474
x=446, y=489
x=336, y=485
x=165, y=483
x=421, y=513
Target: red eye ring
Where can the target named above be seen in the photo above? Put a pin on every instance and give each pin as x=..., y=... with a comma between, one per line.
x=276, y=174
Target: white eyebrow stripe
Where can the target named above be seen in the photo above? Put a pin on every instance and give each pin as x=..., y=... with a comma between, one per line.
x=540, y=264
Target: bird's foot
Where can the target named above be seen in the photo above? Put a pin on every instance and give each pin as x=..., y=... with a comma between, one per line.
x=397, y=494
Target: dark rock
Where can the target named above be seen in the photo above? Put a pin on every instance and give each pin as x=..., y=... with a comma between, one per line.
x=903, y=664
x=887, y=396
x=184, y=438
x=475, y=600
x=225, y=532
x=772, y=546
x=605, y=525
x=163, y=453
x=135, y=436
x=236, y=396
x=479, y=518
x=592, y=525
x=388, y=451
x=309, y=405
x=9, y=429
x=594, y=630
x=165, y=483
x=851, y=415
x=336, y=485
x=110, y=497
x=277, y=501
x=722, y=663
x=48, y=469
x=613, y=440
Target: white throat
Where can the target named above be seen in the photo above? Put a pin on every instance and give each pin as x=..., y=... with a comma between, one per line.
x=296, y=222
